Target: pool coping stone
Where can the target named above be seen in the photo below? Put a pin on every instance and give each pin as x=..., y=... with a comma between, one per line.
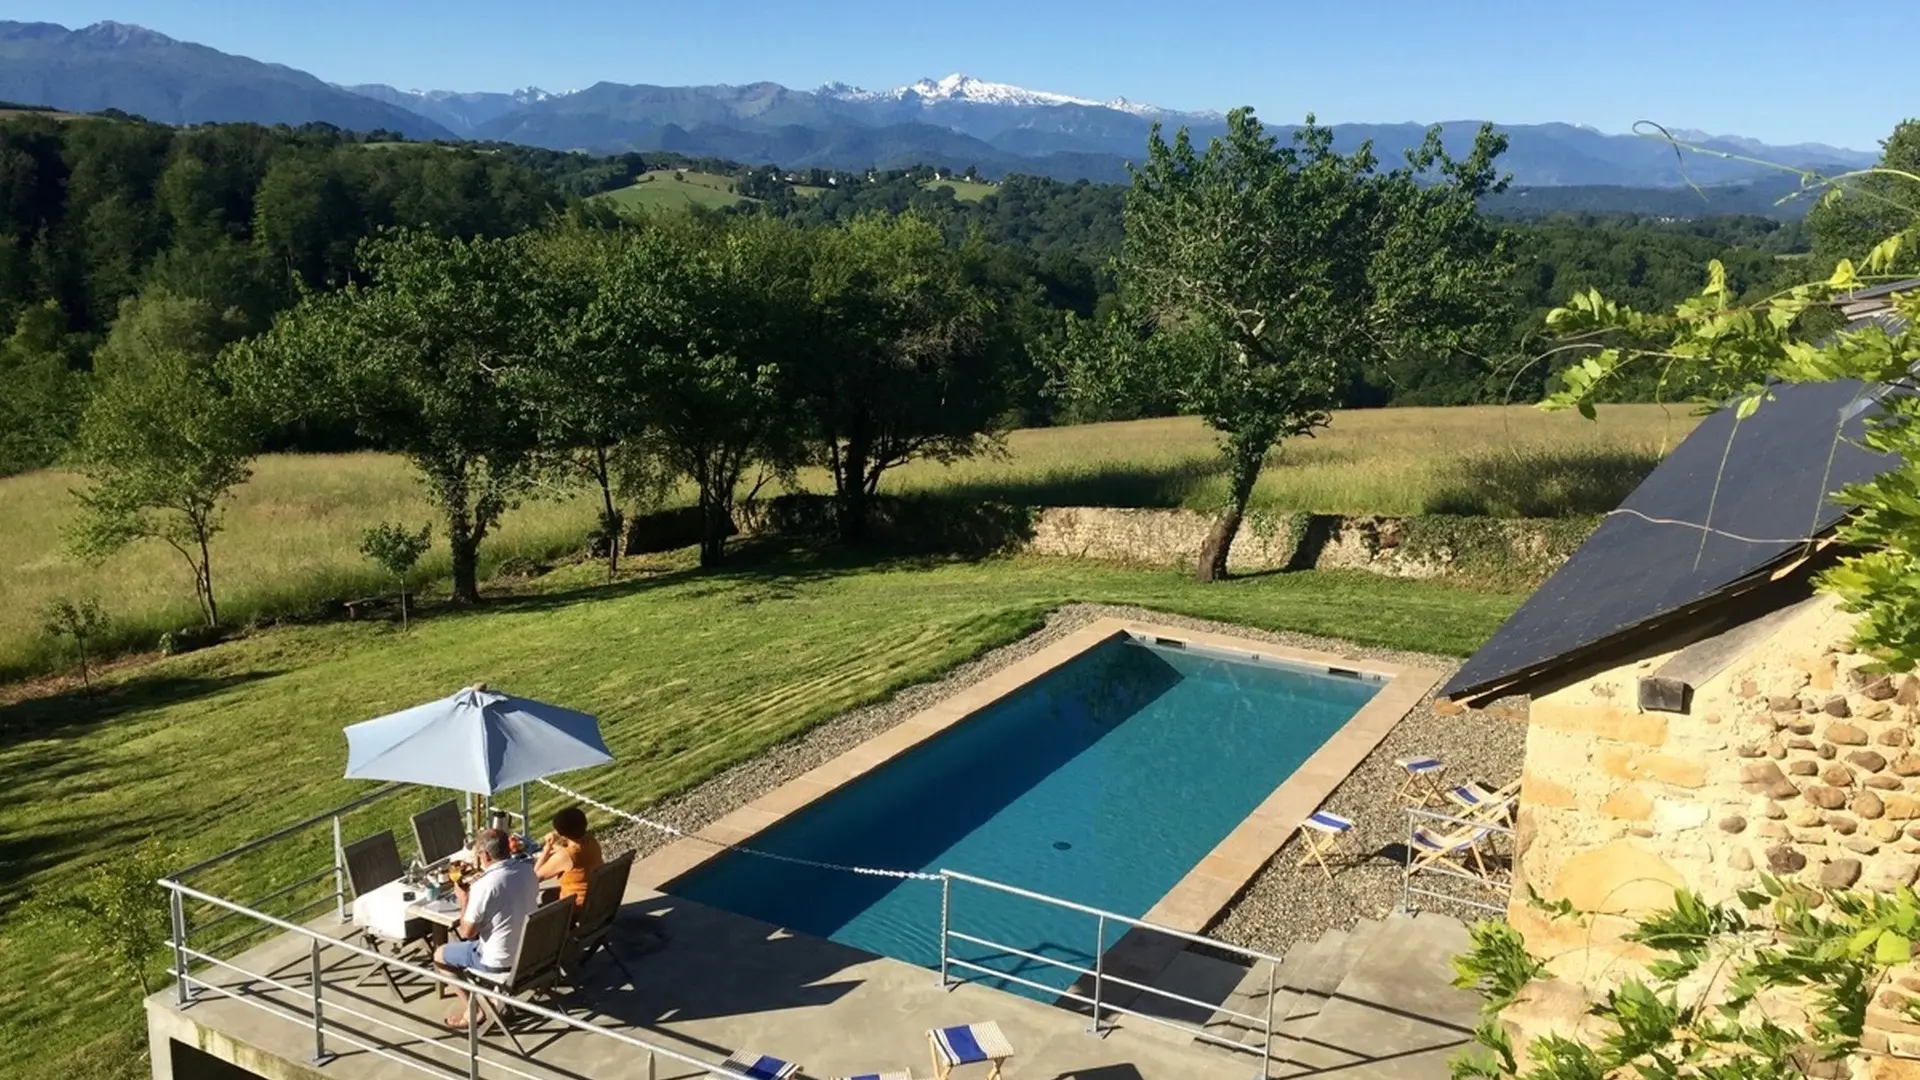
x=1213, y=883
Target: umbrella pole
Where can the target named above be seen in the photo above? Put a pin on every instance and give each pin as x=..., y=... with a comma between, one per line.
x=526, y=823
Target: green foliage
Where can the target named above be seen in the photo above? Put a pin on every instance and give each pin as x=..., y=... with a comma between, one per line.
x=1861, y=211
x=163, y=442
x=1731, y=351
x=901, y=360
x=82, y=621
x=1273, y=273
x=117, y=909
x=418, y=360
x=1760, y=989
x=40, y=409
x=397, y=549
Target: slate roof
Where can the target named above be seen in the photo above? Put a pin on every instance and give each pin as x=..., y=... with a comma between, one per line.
x=1763, y=487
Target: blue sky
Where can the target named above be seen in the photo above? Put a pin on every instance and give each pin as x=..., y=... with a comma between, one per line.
x=1761, y=68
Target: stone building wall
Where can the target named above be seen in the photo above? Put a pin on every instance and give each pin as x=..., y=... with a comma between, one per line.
x=1792, y=760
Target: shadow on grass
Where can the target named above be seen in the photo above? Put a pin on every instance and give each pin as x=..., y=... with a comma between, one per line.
x=1542, y=483
x=1104, y=484
x=72, y=711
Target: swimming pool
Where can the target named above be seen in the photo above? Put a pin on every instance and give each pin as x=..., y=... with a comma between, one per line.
x=1103, y=781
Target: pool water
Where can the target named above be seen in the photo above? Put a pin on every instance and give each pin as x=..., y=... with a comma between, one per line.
x=1102, y=782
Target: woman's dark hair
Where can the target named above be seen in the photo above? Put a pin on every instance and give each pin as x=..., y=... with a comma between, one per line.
x=571, y=823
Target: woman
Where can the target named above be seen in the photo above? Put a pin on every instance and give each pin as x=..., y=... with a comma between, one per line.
x=568, y=855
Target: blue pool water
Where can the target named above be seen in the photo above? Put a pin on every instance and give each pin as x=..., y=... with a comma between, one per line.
x=1103, y=782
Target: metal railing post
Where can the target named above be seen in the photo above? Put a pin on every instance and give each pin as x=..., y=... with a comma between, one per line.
x=1266, y=1048
x=339, y=872
x=473, y=1036
x=946, y=907
x=177, y=911
x=320, y=1055
x=1099, y=969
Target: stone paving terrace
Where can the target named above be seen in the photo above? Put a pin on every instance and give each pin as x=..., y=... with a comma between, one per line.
x=723, y=982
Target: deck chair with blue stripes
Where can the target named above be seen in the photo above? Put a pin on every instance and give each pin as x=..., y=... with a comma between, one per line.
x=1478, y=802
x=1422, y=781
x=758, y=1066
x=1324, y=835
x=902, y=1074
x=1461, y=850
x=969, y=1044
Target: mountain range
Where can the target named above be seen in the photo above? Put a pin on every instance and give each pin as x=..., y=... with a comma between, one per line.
x=951, y=122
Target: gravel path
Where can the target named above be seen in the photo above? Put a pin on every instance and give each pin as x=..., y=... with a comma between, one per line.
x=1284, y=904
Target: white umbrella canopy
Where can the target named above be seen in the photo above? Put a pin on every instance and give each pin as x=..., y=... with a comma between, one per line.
x=477, y=740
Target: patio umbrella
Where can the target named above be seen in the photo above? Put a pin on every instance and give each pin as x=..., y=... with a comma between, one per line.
x=477, y=740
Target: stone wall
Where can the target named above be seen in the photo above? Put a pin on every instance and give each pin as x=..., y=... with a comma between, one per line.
x=1792, y=760
x=1513, y=553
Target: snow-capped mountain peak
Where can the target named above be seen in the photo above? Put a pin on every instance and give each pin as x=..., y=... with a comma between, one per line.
x=966, y=88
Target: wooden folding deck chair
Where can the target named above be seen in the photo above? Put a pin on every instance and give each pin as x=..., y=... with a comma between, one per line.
x=1325, y=835
x=1421, y=783
x=1478, y=802
x=1461, y=849
x=969, y=1044
x=758, y=1066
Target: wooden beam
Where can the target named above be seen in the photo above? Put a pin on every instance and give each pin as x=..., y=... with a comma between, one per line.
x=1670, y=689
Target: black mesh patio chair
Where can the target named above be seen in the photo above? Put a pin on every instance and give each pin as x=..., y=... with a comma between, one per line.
x=536, y=968
x=438, y=832
x=371, y=863
x=593, y=926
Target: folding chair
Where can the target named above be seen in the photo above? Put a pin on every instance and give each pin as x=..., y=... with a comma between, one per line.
x=968, y=1044
x=1325, y=834
x=438, y=832
x=371, y=863
x=1422, y=781
x=1459, y=848
x=593, y=924
x=536, y=968
x=756, y=1065
x=1479, y=802
x=902, y=1074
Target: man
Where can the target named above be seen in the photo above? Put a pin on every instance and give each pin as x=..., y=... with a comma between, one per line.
x=494, y=906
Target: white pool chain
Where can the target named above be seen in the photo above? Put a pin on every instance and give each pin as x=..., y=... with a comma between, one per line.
x=671, y=830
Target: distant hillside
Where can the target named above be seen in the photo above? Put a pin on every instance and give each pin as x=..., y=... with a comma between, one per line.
x=461, y=112
x=1779, y=197
x=115, y=66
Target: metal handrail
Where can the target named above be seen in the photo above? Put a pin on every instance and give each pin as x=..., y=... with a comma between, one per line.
x=1099, y=973
x=475, y=990
x=281, y=834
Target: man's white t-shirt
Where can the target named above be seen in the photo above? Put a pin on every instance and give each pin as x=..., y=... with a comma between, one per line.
x=498, y=904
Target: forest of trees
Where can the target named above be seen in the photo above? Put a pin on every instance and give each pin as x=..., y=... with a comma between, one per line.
x=246, y=220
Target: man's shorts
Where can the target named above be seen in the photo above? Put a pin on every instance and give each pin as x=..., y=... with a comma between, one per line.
x=465, y=955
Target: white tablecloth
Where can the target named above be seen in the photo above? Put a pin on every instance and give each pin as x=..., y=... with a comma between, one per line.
x=383, y=911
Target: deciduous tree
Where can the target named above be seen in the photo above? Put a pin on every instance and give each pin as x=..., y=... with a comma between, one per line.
x=1280, y=269
x=164, y=439
x=417, y=359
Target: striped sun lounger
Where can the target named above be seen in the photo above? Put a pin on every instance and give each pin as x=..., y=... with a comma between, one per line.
x=968, y=1044
x=756, y=1065
x=901, y=1075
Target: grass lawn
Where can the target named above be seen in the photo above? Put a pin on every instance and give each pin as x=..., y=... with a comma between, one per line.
x=293, y=532
x=689, y=672
x=963, y=190
x=666, y=189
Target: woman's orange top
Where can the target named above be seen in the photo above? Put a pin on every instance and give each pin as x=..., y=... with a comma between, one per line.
x=583, y=856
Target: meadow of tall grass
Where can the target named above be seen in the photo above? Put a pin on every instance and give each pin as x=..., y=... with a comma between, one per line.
x=292, y=535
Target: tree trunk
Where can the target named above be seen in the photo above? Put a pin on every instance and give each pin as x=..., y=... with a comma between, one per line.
x=463, y=546
x=610, y=516
x=850, y=489
x=203, y=575
x=1246, y=455
x=403, y=602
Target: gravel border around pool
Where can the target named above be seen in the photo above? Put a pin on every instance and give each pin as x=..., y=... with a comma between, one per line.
x=1284, y=904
